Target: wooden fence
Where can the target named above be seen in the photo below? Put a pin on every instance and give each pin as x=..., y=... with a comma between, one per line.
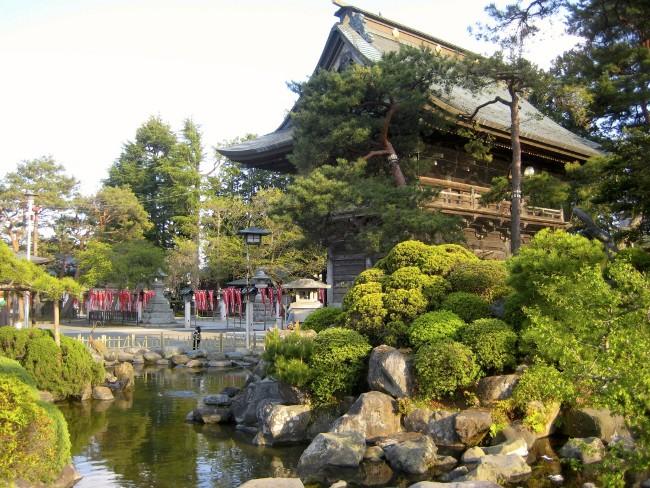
x=216, y=342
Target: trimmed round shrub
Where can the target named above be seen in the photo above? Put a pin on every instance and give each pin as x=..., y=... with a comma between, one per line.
x=10, y=368
x=433, y=327
x=35, y=441
x=407, y=278
x=467, y=306
x=323, y=318
x=366, y=315
x=64, y=370
x=357, y=291
x=371, y=275
x=404, y=305
x=406, y=254
x=484, y=278
x=396, y=334
x=435, y=290
x=542, y=383
x=444, y=257
x=338, y=363
x=492, y=341
x=443, y=367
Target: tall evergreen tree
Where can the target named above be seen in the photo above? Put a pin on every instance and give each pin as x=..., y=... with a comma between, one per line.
x=163, y=172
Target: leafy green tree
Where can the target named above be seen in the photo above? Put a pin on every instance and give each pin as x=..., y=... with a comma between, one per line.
x=229, y=178
x=116, y=215
x=367, y=211
x=54, y=193
x=163, y=173
x=367, y=112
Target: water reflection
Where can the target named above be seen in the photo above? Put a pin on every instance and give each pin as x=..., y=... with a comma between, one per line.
x=142, y=440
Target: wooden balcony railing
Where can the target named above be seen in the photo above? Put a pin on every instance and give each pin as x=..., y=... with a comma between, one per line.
x=464, y=199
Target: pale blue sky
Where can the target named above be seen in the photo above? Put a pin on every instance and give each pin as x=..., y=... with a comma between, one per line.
x=79, y=76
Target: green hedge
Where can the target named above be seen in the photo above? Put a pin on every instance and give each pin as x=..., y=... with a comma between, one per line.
x=484, y=278
x=357, y=292
x=371, y=275
x=323, y=318
x=406, y=254
x=467, y=306
x=493, y=342
x=404, y=305
x=542, y=383
x=366, y=315
x=288, y=357
x=35, y=444
x=64, y=371
x=338, y=364
x=445, y=256
x=443, y=367
x=434, y=326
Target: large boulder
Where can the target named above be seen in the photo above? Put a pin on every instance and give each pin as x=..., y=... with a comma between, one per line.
x=221, y=400
x=245, y=403
x=151, y=357
x=273, y=483
x=125, y=375
x=513, y=446
x=409, y=452
x=282, y=424
x=456, y=484
x=197, y=363
x=390, y=371
x=502, y=469
x=331, y=450
x=495, y=388
x=587, y=450
x=125, y=357
x=102, y=393
x=442, y=429
x=417, y=420
x=207, y=414
x=179, y=359
x=374, y=414
x=592, y=422
x=472, y=425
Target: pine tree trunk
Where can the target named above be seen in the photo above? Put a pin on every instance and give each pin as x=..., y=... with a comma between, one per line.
x=515, y=207
x=35, y=235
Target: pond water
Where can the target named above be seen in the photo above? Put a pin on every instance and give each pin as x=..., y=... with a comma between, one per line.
x=142, y=440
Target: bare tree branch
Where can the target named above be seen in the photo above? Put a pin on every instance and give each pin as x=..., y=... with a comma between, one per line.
x=483, y=105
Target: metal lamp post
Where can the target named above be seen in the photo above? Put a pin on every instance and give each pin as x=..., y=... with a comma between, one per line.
x=252, y=237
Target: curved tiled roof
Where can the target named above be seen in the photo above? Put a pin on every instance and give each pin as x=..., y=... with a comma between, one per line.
x=536, y=129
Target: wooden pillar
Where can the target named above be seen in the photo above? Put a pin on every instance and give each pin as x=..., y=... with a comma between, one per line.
x=57, y=332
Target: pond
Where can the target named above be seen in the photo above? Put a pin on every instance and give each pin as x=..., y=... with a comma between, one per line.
x=142, y=440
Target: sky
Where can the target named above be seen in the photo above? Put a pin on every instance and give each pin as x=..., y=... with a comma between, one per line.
x=80, y=76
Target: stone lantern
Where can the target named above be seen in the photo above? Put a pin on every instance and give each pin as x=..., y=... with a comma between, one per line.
x=304, y=298
x=261, y=311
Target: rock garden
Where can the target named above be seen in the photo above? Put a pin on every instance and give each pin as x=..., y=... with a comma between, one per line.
x=444, y=368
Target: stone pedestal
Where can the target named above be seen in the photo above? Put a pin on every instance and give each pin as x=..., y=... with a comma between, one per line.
x=158, y=312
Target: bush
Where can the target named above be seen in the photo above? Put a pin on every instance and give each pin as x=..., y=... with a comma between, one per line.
x=467, y=306
x=492, y=341
x=443, y=367
x=323, y=318
x=35, y=441
x=64, y=370
x=288, y=357
x=371, y=275
x=407, y=278
x=366, y=315
x=338, y=363
x=395, y=334
x=10, y=368
x=406, y=254
x=484, y=278
x=542, y=383
x=444, y=257
x=433, y=327
x=638, y=258
x=355, y=293
x=404, y=305
x=435, y=289
x=550, y=253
